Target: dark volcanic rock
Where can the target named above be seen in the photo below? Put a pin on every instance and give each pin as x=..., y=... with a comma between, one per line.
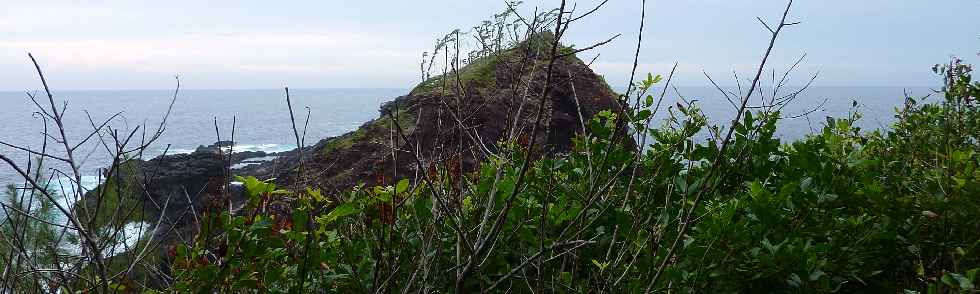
x=441, y=119
x=223, y=147
x=224, y=144
x=173, y=190
x=185, y=180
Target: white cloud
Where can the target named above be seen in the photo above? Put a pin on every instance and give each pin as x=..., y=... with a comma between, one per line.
x=196, y=49
x=333, y=43
x=332, y=53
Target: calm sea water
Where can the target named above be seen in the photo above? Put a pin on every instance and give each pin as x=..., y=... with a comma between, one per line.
x=262, y=118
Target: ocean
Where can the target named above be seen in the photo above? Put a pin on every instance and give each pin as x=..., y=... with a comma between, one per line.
x=262, y=123
x=262, y=119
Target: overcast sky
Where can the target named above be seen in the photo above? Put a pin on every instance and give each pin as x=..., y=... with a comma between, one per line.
x=115, y=44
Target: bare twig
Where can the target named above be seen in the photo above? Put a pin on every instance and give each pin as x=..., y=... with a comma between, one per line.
x=685, y=224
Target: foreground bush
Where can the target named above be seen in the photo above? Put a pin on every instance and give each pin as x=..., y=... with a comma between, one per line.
x=840, y=210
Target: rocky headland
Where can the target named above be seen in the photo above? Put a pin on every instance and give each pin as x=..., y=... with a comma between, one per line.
x=448, y=121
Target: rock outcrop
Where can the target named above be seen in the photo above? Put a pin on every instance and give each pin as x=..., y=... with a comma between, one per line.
x=452, y=120
x=168, y=189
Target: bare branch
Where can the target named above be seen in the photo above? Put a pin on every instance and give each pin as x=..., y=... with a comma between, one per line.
x=724, y=145
x=576, y=51
x=765, y=25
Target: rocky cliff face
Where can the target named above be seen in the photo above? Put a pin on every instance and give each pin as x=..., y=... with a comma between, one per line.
x=170, y=193
x=168, y=189
x=453, y=120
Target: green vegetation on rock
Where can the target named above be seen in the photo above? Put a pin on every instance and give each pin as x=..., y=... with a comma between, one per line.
x=482, y=71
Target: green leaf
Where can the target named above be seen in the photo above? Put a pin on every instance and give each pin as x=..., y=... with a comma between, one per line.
x=341, y=211
x=756, y=190
x=794, y=280
x=948, y=280
x=687, y=241
x=300, y=218
x=643, y=115
x=566, y=278
x=816, y=274
x=806, y=183
x=423, y=207
x=467, y=203
x=962, y=282
x=402, y=186
x=260, y=224
x=505, y=188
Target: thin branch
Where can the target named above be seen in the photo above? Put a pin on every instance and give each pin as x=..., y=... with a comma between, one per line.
x=576, y=51
x=765, y=25
x=721, y=151
x=34, y=152
x=594, y=9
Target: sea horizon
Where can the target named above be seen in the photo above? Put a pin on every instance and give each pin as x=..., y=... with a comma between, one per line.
x=262, y=122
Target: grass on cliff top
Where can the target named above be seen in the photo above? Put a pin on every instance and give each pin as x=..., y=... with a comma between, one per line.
x=344, y=141
x=371, y=130
x=482, y=70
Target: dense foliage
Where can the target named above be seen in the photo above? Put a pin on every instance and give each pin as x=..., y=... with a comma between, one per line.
x=679, y=205
x=842, y=209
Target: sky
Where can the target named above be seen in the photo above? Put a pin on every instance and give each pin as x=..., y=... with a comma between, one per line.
x=251, y=44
